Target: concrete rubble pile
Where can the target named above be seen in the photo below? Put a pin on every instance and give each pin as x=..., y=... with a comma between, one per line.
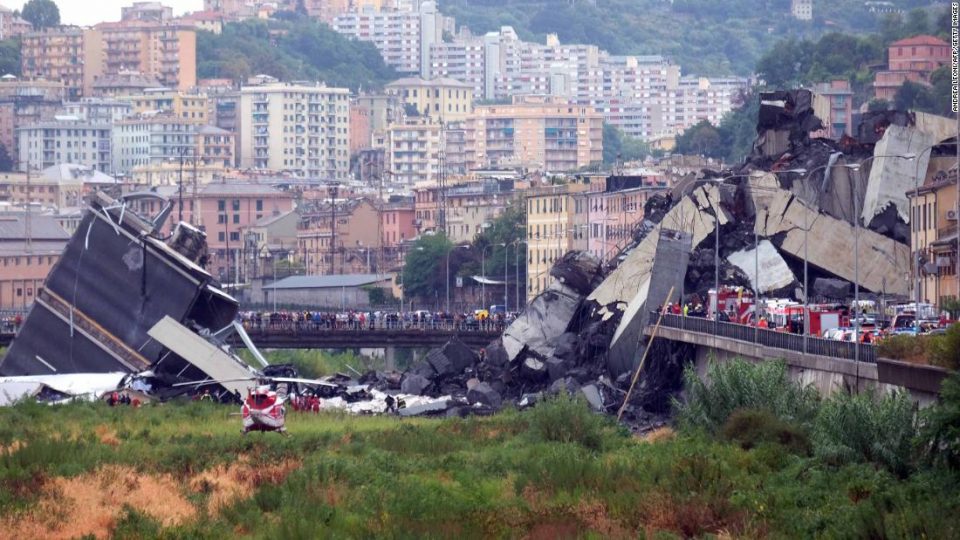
x=831, y=201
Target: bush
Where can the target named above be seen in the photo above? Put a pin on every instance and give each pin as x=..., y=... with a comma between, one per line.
x=739, y=385
x=565, y=419
x=865, y=427
x=945, y=349
x=907, y=348
x=751, y=428
x=940, y=427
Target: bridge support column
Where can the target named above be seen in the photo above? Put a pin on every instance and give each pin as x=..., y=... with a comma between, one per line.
x=390, y=358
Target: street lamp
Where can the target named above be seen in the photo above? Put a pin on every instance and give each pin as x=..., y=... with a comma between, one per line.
x=483, y=272
x=465, y=246
x=855, y=167
x=516, y=268
x=716, y=251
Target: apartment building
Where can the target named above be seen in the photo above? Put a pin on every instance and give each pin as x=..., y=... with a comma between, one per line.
x=59, y=54
x=442, y=100
x=338, y=237
x=187, y=106
x=614, y=210
x=145, y=140
x=122, y=84
x=934, y=233
x=543, y=132
x=12, y=25
x=552, y=214
x=97, y=110
x=398, y=222
x=154, y=12
x=469, y=206
x=403, y=38
x=45, y=144
x=24, y=102
x=166, y=51
x=62, y=186
x=833, y=104
x=413, y=150
x=297, y=128
x=911, y=59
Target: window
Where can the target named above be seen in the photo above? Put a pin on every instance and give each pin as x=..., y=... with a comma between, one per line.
x=221, y=236
x=221, y=205
x=236, y=219
x=221, y=218
x=259, y=205
x=236, y=205
x=235, y=236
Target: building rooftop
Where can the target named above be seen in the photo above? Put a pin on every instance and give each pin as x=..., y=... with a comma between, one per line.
x=238, y=188
x=920, y=40
x=42, y=227
x=417, y=81
x=71, y=173
x=326, y=282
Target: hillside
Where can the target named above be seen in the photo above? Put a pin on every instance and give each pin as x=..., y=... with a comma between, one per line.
x=302, y=50
x=706, y=37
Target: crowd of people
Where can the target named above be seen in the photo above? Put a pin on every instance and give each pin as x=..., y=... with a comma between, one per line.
x=363, y=320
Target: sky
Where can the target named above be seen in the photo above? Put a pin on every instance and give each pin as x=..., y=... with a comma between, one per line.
x=89, y=12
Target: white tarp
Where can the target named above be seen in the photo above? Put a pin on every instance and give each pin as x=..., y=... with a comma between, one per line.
x=88, y=385
x=892, y=177
x=774, y=272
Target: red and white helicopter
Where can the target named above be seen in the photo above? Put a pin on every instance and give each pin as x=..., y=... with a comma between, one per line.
x=263, y=408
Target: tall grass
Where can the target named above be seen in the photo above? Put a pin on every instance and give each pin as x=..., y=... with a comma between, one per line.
x=739, y=384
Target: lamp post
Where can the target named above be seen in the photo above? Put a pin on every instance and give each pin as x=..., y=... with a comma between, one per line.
x=855, y=167
x=466, y=246
x=483, y=272
x=716, y=253
x=516, y=268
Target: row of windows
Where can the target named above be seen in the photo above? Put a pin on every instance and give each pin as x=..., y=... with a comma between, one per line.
x=235, y=205
x=28, y=260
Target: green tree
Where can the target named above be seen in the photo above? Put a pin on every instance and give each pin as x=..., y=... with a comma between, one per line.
x=41, y=13
x=424, y=269
x=702, y=139
x=6, y=162
x=617, y=145
x=914, y=96
x=500, y=241
x=878, y=104
x=10, y=57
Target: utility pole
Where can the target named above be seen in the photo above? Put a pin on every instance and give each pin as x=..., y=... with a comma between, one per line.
x=180, y=188
x=27, y=221
x=333, y=228
x=194, y=206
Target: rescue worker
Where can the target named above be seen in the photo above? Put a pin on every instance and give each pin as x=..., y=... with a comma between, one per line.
x=391, y=404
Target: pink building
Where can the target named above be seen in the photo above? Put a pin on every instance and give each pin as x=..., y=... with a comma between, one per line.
x=24, y=265
x=911, y=59
x=398, y=223
x=614, y=209
x=360, y=130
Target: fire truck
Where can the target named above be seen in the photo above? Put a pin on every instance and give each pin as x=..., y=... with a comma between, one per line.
x=781, y=313
x=736, y=302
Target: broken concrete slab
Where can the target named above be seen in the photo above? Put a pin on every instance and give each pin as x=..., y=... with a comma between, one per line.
x=593, y=396
x=834, y=289
x=546, y=318
x=414, y=384
x=534, y=370
x=459, y=355
x=882, y=261
x=433, y=408
x=693, y=214
x=891, y=176
x=578, y=270
x=484, y=394
x=667, y=274
x=556, y=368
x=774, y=272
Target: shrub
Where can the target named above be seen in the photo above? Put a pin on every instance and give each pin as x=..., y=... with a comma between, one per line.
x=865, y=427
x=945, y=349
x=750, y=428
x=940, y=427
x=565, y=419
x=907, y=348
x=743, y=385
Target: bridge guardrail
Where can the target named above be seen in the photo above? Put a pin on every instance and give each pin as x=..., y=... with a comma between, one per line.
x=771, y=338
x=309, y=327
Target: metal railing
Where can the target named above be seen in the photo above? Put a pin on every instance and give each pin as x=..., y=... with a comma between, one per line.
x=771, y=338
x=312, y=327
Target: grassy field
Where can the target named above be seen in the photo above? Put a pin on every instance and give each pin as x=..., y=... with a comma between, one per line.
x=183, y=470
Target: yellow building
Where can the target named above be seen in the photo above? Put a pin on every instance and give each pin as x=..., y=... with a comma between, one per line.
x=187, y=107
x=933, y=231
x=554, y=214
x=543, y=132
x=443, y=100
x=413, y=150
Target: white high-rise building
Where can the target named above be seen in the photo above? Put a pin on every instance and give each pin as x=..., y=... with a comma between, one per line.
x=297, y=128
